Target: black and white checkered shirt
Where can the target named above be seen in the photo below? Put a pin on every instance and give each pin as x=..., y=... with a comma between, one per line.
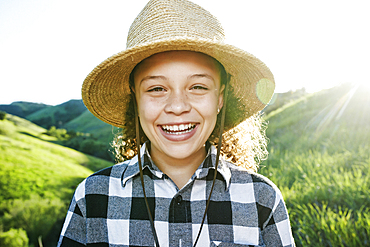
x=108, y=208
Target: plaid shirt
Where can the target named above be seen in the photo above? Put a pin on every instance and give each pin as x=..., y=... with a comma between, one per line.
x=108, y=208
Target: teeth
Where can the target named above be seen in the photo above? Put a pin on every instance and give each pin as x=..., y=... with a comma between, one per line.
x=178, y=129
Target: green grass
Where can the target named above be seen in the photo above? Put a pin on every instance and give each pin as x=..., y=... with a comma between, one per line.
x=320, y=160
x=37, y=177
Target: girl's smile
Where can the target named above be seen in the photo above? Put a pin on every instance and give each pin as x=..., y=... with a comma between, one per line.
x=178, y=95
x=179, y=132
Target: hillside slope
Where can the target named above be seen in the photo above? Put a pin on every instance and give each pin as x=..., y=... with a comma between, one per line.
x=37, y=178
x=88, y=123
x=71, y=115
x=75, y=127
x=323, y=119
x=320, y=159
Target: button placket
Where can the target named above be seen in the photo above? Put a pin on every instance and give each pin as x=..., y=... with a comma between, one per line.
x=178, y=200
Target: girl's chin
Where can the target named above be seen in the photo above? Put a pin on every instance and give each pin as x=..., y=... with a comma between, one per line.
x=181, y=152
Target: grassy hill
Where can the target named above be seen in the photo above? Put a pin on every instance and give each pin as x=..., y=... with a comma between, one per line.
x=320, y=159
x=57, y=115
x=37, y=179
x=88, y=123
x=83, y=131
x=71, y=115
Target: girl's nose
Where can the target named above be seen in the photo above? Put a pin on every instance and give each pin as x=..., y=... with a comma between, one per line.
x=178, y=103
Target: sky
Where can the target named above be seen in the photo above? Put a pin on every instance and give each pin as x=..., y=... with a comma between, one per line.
x=48, y=47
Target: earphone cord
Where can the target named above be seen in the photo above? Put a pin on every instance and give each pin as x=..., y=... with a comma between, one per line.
x=223, y=110
x=223, y=113
x=141, y=172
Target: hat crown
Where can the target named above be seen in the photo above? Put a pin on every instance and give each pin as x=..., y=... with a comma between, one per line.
x=173, y=19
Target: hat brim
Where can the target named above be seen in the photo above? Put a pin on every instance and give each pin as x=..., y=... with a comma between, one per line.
x=106, y=91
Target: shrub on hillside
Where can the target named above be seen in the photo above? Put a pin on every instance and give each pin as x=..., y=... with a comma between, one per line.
x=14, y=238
x=96, y=148
x=83, y=142
x=60, y=134
x=2, y=115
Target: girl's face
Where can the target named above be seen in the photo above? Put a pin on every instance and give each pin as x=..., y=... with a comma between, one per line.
x=178, y=95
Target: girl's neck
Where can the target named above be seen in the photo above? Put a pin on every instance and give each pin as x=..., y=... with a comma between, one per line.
x=179, y=170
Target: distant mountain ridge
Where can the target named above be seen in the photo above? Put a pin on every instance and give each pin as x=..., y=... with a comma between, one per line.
x=57, y=115
x=22, y=108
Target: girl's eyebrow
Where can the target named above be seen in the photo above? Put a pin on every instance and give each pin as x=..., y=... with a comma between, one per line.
x=153, y=77
x=161, y=77
x=201, y=76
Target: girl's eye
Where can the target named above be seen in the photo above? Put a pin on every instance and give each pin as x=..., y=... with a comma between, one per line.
x=156, y=89
x=199, y=87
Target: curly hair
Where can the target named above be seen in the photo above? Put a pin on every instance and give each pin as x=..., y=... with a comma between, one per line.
x=244, y=142
x=245, y=145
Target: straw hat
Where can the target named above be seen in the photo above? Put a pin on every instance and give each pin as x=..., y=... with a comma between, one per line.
x=165, y=25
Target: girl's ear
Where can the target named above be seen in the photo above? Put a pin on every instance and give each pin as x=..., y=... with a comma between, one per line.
x=221, y=98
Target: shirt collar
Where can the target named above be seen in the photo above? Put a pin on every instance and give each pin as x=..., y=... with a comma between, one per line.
x=133, y=165
x=210, y=163
x=147, y=163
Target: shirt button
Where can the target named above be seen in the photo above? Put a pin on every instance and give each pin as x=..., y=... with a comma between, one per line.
x=178, y=199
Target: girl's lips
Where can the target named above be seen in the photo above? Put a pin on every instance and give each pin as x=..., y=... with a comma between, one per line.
x=178, y=128
x=178, y=132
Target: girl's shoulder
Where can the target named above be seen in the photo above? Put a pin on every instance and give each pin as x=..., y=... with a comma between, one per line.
x=99, y=181
x=113, y=171
x=258, y=182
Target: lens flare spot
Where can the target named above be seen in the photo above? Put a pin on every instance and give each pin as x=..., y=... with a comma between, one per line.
x=265, y=89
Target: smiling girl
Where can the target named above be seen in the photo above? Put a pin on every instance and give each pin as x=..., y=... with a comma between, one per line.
x=192, y=101
x=178, y=95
